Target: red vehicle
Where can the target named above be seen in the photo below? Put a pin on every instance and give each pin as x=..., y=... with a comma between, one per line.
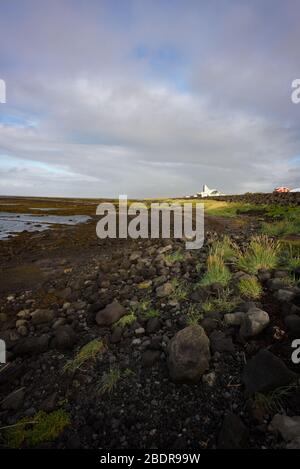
x=282, y=189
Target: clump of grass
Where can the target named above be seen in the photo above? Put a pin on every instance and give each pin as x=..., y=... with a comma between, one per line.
x=217, y=272
x=274, y=401
x=144, y=305
x=288, y=226
x=126, y=320
x=180, y=290
x=279, y=228
x=223, y=303
x=111, y=378
x=174, y=257
x=41, y=428
x=250, y=288
x=224, y=248
x=193, y=316
x=87, y=353
x=151, y=313
x=292, y=257
x=262, y=253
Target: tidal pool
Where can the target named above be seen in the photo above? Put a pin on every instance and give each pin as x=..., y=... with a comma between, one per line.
x=14, y=223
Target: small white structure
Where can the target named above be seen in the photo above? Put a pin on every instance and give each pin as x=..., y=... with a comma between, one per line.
x=295, y=190
x=207, y=192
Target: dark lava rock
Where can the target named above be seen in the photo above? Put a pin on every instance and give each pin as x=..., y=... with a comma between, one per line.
x=220, y=343
x=14, y=400
x=285, y=295
x=233, y=434
x=264, y=275
x=11, y=372
x=295, y=310
x=153, y=325
x=32, y=345
x=65, y=337
x=209, y=324
x=200, y=294
x=293, y=326
x=116, y=335
x=150, y=357
x=265, y=372
x=189, y=355
x=42, y=316
x=244, y=307
x=110, y=314
x=276, y=284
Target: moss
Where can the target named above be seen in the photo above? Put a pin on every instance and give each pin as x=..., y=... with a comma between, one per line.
x=180, y=290
x=151, y=313
x=39, y=429
x=174, y=257
x=126, y=320
x=88, y=352
x=144, y=285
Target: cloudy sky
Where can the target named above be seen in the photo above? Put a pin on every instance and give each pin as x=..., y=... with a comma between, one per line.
x=148, y=97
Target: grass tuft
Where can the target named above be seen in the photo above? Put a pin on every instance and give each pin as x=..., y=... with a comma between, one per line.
x=262, y=253
x=250, y=288
x=217, y=272
x=31, y=431
x=193, y=316
x=111, y=378
x=174, y=257
x=180, y=290
x=224, y=248
x=88, y=352
x=126, y=320
x=223, y=303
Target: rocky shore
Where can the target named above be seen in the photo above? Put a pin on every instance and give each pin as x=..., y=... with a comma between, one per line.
x=124, y=345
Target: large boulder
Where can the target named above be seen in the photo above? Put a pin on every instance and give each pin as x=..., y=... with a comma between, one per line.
x=32, y=345
x=42, y=316
x=265, y=372
x=285, y=296
x=65, y=337
x=110, y=314
x=288, y=427
x=189, y=355
x=254, y=322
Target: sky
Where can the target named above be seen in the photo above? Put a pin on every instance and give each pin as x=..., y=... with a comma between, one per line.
x=148, y=98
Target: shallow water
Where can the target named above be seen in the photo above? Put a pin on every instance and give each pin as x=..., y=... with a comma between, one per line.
x=13, y=223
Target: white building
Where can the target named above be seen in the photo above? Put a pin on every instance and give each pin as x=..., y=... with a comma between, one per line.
x=207, y=192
